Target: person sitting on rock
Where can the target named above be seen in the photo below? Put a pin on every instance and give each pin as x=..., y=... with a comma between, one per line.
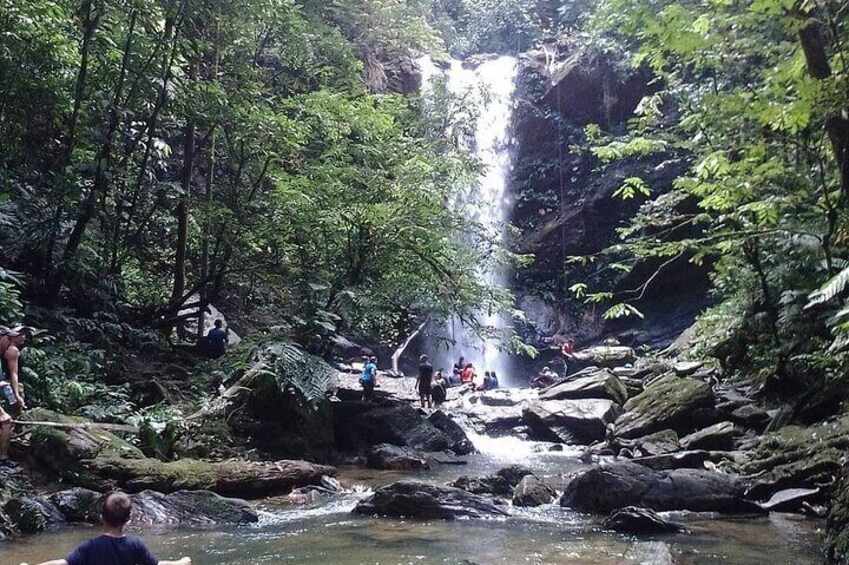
x=486, y=384
x=424, y=383
x=368, y=380
x=440, y=388
x=113, y=547
x=457, y=373
x=468, y=375
x=545, y=378
x=493, y=381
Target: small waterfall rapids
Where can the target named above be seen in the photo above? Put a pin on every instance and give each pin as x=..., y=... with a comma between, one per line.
x=490, y=86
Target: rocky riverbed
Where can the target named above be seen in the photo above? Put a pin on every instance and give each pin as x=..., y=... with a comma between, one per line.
x=619, y=443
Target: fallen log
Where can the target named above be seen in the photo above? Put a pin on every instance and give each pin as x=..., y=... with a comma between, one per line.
x=80, y=425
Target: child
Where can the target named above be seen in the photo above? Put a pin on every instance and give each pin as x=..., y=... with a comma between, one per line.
x=113, y=547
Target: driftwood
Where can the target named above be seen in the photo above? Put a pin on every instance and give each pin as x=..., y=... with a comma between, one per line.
x=82, y=425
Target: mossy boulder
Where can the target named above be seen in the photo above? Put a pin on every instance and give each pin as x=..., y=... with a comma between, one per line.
x=246, y=479
x=62, y=450
x=32, y=514
x=798, y=457
x=669, y=402
x=837, y=525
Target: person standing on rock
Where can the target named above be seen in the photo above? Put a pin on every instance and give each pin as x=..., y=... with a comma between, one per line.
x=424, y=383
x=369, y=379
x=12, y=402
x=459, y=367
x=113, y=547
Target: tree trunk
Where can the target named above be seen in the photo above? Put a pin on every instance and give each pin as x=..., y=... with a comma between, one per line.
x=182, y=215
x=396, y=357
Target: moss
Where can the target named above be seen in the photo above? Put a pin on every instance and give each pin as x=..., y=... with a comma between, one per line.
x=837, y=526
x=230, y=478
x=668, y=402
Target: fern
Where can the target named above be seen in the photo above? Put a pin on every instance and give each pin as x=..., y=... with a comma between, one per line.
x=293, y=367
x=834, y=286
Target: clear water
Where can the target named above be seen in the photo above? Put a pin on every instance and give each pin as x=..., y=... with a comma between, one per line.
x=329, y=534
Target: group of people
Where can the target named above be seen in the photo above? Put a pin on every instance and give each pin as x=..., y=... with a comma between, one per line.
x=465, y=374
x=431, y=385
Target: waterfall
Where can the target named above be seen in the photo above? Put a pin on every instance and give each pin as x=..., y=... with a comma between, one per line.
x=490, y=85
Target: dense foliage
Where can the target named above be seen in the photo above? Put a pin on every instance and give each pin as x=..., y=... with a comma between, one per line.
x=757, y=94
x=159, y=156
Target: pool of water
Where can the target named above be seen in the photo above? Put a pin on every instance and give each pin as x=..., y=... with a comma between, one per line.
x=327, y=533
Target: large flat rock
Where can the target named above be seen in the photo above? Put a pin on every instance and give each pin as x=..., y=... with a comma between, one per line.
x=600, y=384
x=570, y=421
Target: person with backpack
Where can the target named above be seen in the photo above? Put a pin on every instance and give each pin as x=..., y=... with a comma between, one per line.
x=368, y=379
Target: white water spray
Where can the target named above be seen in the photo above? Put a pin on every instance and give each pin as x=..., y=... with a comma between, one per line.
x=491, y=86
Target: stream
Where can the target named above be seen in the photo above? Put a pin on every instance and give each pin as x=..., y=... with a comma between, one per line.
x=328, y=533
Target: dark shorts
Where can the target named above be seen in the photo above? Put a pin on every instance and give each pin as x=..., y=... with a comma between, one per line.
x=368, y=387
x=424, y=388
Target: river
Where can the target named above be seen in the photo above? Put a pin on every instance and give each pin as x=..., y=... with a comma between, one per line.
x=328, y=533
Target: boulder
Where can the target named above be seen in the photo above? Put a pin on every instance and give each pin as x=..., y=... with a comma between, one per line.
x=666, y=403
x=636, y=520
x=658, y=443
x=603, y=356
x=532, y=491
x=189, y=508
x=248, y=479
x=502, y=483
x=361, y=424
x=605, y=488
x=63, y=450
x=500, y=421
x=718, y=436
x=412, y=499
x=751, y=416
x=460, y=443
x=797, y=457
x=32, y=514
x=78, y=504
x=151, y=508
x=395, y=458
x=570, y=421
x=601, y=384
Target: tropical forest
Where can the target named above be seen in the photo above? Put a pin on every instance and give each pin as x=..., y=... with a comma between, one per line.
x=424, y=281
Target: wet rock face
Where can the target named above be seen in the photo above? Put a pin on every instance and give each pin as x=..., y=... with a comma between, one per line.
x=460, y=443
x=362, y=425
x=609, y=487
x=412, y=499
x=570, y=209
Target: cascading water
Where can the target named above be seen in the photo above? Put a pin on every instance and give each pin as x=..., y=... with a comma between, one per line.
x=490, y=85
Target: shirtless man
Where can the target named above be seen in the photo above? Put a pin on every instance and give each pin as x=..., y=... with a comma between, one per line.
x=11, y=401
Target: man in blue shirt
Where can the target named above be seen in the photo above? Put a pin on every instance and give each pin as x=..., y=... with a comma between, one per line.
x=113, y=547
x=217, y=339
x=369, y=379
